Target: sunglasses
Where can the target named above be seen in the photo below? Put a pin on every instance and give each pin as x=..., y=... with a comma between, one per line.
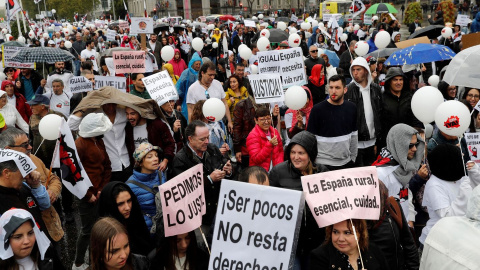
x=410, y=146
x=315, y=51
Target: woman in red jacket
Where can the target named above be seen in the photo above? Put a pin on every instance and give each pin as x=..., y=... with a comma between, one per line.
x=264, y=143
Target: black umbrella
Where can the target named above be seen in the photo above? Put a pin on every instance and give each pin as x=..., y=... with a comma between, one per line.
x=431, y=31
x=177, y=28
x=383, y=52
x=277, y=35
x=161, y=27
x=42, y=55
x=282, y=19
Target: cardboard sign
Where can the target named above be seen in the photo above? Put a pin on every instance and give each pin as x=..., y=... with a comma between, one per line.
x=288, y=63
x=266, y=88
x=118, y=82
x=367, y=19
x=328, y=16
x=249, y=23
x=463, y=20
x=473, y=145
x=111, y=35
x=339, y=195
x=257, y=226
x=183, y=201
x=24, y=163
x=470, y=40
x=410, y=42
x=129, y=61
x=123, y=25
x=160, y=87
x=80, y=84
x=8, y=52
x=141, y=25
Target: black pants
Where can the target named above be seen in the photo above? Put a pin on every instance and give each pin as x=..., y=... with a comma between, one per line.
x=349, y=165
x=365, y=157
x=122, y=175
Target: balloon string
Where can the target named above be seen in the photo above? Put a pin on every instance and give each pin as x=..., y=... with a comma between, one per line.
x=39, y=147
x=358, y=246
x=461, y=153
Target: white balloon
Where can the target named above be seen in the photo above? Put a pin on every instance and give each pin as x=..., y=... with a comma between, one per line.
x=382, y=39
x=49, y=126
x=70, y=27
x=210, y=26
x=7, y=37
x=375, y=18
x=344, y=37
x=189, y=22
x=452, y=118
x=31, y=34
x=295, y=97
x=294, y=40
x=213, y=109
x=263, y=44
x=197, y=44
x=260, y=16
x=214, y=45
x=447, y=32
x=321, y=26
x=4, y=31
x=314, y=23
x=45, y=35
x=167, y=53
x=282, y=26
x=428, y=131
x=361, y=48
x=434, y=80
x=305, y=25
x=425, y=102
x=68, y=44
x=339, y=31
x=356, y=27
x=245, y=53
x=265, y=33
x=241, y=47
x=254, y=18
x=67, y=32
x=21, y=39
x=253, y=69
x=2, y=76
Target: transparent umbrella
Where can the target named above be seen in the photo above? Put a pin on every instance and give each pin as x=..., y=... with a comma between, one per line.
x=463, y=69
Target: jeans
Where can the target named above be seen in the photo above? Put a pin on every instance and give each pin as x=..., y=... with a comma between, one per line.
x=88, y=216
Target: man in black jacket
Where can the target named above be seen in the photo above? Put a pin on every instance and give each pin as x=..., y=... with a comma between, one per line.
x=215, y=166
x=156, y=46
x=238, y=40
x=414, y=25
x=368, y=98
x=346, y=60
x=313, y=59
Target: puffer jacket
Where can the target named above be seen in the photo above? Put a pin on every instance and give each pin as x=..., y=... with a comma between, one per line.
x=145, y=198
x=261, y=151
x=396, y=244
x=475, y=27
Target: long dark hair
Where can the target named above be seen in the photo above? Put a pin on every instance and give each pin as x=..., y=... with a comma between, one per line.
x=171, y=253
x=11, y=263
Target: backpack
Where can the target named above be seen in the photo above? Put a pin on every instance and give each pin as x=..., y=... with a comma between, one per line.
x=158, y=204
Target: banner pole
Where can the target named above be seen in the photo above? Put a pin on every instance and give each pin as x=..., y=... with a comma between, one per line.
x=356, y=239
x=204, y=240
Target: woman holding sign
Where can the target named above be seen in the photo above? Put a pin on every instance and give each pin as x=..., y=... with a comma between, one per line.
x=342, y=251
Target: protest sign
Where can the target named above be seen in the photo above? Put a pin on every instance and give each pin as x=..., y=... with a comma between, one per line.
x=24, y=163
x=256, y=226
x=339, y=195
x=183, y=201
x=123, y=24
x=111, y=35
x=470, y=40
x=118, y=82
x=160, y=87
x=367, y=19
x=411, y=42
x=288, y=63
x=8, y=52
x=129, y=61
x=473, y=145
x=141, y=25
x=463, y=20
x=266, y=88
x=80, y=84
x=327, y=16
x=249, y=23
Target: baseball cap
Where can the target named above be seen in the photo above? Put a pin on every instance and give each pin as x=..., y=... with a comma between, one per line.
x=39, y=99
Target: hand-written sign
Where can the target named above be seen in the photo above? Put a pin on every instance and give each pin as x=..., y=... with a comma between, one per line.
x=129, y=61
x=339, y=195
x=160, y=87
x=256, y=227
x=10, y=51
x=288, y=63
x=111, y=35
x=118, y=82
x=266, y=88
x=23, y=162
x=183, y=201
x=473, y=145
x=80, y=84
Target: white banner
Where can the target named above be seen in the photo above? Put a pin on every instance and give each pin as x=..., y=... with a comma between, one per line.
x=24, y=163
x=141, y=25
x=111, y=35
x=8, y=52
x=266, y=88
x=249, y=23
x=473, y=145
x=327, y=16
x=256, y=225
x=118, y=82
x=160, y=87
x=287, y=63
x=80, y=84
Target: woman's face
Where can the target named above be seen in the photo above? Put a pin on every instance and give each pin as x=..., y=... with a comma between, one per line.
x=473, y=96
x=183, y=241
x=150, y=161
x=22, y=241
x=264, y=122
x=117, y=255
x=164, y=41
x=124, y=203
x=3, y=100
x=299, y=157
x=343, y=239
x=177, y=56
x=230, y=58
x=233, y=83
x=452, y=91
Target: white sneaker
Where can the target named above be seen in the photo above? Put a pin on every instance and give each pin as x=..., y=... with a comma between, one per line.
x=81, y=267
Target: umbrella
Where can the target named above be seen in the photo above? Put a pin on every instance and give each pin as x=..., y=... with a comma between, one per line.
x=277, y=35
x=42, y=55
x=161, y=27
x=431, y=31
x=226, y=18
x=463, y=69
x=200, y=24
x=282, y=19
x=420, y=53
x=109, y=52
x=177, y=28
x=14, y=44
x=382, y=52
x=381, y=8
x=332, y=57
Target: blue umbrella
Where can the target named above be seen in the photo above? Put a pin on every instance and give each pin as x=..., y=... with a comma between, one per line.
x=332, y=58
x=420, y=53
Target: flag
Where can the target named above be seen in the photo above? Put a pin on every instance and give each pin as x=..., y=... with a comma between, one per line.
x=12, y=7
x=65, y=157
x=127, y=17
x=356, y=8
x=75, y=16
x=84, y=18
x=145, y=8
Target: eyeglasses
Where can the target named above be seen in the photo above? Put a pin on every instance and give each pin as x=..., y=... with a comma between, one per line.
x=265, y=120
x=410, y=146
x=314, y=51
x=207, y=94
x=473, y=96
x=23, y=145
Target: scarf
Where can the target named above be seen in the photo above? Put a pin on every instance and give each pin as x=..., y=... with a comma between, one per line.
x=217, y=129
x=305, y=110
x=315, y=77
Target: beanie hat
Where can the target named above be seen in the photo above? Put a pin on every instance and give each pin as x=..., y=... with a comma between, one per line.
x=446, y=163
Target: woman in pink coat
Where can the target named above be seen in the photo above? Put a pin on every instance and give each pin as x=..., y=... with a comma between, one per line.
x=178, y=63
x=264, y=143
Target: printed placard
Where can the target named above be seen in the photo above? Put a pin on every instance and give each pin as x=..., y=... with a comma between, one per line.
x=24, y=163
x=80, y=84
x=118, y=82
x=129, y=61
x=339, y=195
x=183, y=201
x=463, y=20
x=123, y=25
x=160, y=87
x=111, y=35
x=266, y=88
x=8, y=52
x=288, y=63
x=256, y=225
x=141, y=25
x=249, y=23
x=473, y=145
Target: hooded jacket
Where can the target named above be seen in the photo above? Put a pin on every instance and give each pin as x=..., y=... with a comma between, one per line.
x=355, y=95
x=178, y=65
x=261, y=151
x=313, y=38
x=475, y=27
x=438, y=19
x=20, y=102
x=169, y=67
x=188, y=77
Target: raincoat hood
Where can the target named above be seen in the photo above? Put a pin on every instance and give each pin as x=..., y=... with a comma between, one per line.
x=195, y=58
x=394, y=34
x=360, y=61
x=168, y=67
x=393, y=72
x=5, y=83
x=305, y=139
x=477, y=17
